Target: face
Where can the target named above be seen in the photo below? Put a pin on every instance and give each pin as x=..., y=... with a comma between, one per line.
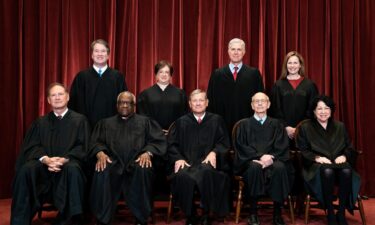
x=198, y=103
x=164, y=75
x=236, y=53
x=58, y=98
x=322, y=112
x=293, y=65
x=260, y=103
x=125, y=105
x=99, y=54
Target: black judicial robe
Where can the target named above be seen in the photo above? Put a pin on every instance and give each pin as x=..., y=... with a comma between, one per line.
x=192, y=142
x=253, y=140
x=163, y=106
x=231, y=98
x=33, y=183
x=313, y=140
x=123, y=140
x=95, y=96
x=291, y=105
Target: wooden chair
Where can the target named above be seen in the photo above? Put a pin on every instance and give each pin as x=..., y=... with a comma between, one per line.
x=241, y=184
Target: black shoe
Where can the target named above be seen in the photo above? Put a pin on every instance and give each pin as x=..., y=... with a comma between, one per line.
x=205, y=220
x=253, y=220
x=190, y=220
x=331, y=219
x=278, y=220
x=61, y=219
x=340, y=218
x=137, y=222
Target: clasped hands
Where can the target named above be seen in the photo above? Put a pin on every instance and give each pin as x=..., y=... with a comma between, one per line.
x=54, y=163
x=266, y=160
x=210, y=159
x=325, y=160
x=144, y=160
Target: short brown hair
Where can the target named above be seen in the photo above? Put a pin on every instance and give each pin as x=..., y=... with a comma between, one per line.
x=284, y=69
x=100, y=41
x=161, y=64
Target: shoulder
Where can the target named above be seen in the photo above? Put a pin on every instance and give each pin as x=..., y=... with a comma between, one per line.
x=221, y=70
x=249, y=69
x=115, y=73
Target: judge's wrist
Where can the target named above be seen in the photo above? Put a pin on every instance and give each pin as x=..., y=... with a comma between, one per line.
x=43, y=159
x=149, y=153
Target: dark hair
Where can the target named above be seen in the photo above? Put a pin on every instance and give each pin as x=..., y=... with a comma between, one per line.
x=324, y=98
x=284, y=69
x=55, y=84
x=161, y=64
x=100, y=41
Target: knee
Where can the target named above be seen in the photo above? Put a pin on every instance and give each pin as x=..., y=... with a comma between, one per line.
x=346, y=173
x=327, y=173
x=279, y=167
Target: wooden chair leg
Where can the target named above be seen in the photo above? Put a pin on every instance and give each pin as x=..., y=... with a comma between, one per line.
x=40, y=211
x=291, y=210
x=239, y=201
x=361, y=210
x=170, y=205
x=307, y=209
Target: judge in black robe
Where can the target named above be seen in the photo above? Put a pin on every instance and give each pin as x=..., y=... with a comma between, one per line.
x=328, y=158
x=164, y=103
x=123, y=145
x=261, y=158
x=94, y=91
x=291, y=97
x=50, y=166
x=230, y=97
x=194, y=142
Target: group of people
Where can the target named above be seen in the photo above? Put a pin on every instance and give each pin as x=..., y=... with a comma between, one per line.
x=100, y=144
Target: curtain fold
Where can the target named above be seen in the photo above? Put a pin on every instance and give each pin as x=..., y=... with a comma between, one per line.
x=47, y=41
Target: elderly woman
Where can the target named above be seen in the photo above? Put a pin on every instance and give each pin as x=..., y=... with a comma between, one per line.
x=327, y=157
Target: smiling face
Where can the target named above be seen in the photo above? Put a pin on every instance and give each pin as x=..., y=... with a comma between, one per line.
x=293, y=65
x=125, y=105
x=99, y=55
x=58, y=97
x=163, y=76
x=198, y=103
x=322, y=112
x=236, y=51
x=260, y=103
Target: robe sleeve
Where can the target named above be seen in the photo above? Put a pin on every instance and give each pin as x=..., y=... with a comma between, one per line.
x=313, y=92
x=173, y=144
x=98, y=140
x=80, y=149
x=77, y=96
x=304, y=145
x=121, y=83
x=156, y=141
x=142, y=106
x=222, y=138
x=276, y=106
x=244, y=152
x=281, y=144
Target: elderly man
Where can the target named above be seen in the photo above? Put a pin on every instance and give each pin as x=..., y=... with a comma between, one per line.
x=94, y=90
x=230, y=87
x=261, y=147
x=123, y=146
x=195, y=143
x=50, y=164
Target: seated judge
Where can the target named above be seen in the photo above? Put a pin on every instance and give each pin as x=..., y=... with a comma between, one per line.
x=328, y=156
x=261, y=158
x=194, y=145
x=50, y=166
x=123, y=146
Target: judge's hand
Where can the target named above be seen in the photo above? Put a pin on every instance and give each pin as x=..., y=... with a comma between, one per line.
x=267, y=160
x=340, y=159
x=260, y=162
x=53, y=163
x=102, y=161
x=211, y=159
x=180, y=164
x=144, y=160
x=322, y=160
x=290, y=131
x=165, y=132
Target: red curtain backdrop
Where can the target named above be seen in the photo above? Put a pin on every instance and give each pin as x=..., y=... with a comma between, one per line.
x=48, y=40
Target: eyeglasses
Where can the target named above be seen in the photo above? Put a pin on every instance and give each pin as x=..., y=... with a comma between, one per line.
x=125, y=103
x=260, y=101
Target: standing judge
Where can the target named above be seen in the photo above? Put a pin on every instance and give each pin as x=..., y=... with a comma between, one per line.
x=230, y=87
x=94, y=90
x=194, y=144
x=49, y=167
x=261, y=155
x=123, y=146
x=163, y=101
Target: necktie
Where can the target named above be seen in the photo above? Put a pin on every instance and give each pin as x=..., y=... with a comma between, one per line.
x=235, y=73
x=199, y=120
x=100, y=72
x=59, y=117
x=261, y=121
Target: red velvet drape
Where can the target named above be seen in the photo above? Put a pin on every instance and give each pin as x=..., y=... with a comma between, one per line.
x=48, y=40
